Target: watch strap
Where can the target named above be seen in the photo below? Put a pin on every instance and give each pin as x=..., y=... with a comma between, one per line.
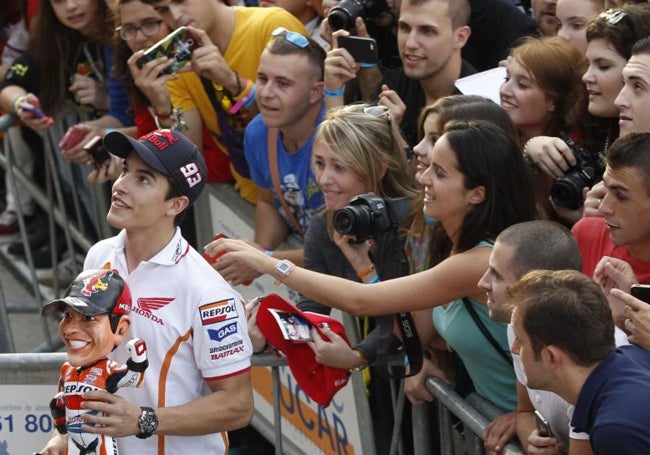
x=148, y=422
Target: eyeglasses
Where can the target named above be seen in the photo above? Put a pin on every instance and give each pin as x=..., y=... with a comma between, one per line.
x=612, y=16
x=292, y=37
x=377, y=110
x=129, y=32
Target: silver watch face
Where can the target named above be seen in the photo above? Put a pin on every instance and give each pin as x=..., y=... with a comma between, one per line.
x=284, y=268
x=148, y=421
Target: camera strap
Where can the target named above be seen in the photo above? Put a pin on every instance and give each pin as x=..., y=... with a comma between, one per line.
x=411, y=340
x=486, y=333
x=271, y=145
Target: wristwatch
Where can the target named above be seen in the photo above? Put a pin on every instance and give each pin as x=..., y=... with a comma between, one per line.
x=283, y=269
x=148, y=422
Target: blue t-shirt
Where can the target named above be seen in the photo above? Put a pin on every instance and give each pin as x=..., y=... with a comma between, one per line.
x=493, y=377
x=297, y=180
x=614, y=404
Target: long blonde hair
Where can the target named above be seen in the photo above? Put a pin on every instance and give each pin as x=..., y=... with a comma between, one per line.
x=366, y=144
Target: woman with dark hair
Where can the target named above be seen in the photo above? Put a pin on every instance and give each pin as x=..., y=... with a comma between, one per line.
x=431, y=123
x=610, y=37
x=475, y=186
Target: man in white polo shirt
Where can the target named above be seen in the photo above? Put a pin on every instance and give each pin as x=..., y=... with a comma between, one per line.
x=192, y=320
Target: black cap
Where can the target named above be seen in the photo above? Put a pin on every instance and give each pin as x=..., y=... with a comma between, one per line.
x=94, y=292
x=168, y=152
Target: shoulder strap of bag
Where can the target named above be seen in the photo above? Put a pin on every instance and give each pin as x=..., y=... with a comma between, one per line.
x=486, y=333
x=209, y=90
x=271, y=139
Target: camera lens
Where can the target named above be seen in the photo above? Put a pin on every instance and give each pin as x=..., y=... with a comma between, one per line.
x=343, y=15
x=339, y=20
x=567, y=191
x=353, y=220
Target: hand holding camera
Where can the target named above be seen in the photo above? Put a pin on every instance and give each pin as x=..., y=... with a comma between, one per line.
x=367, y=216
x=588, y=170
x=549, y=154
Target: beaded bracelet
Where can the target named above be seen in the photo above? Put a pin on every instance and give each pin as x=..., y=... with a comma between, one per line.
x=239, y=90
x=527, y=158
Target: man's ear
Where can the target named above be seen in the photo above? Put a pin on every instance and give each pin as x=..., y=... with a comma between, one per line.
x=177, y=205
x=553, y=356
x=316, y=93
x=462, y=34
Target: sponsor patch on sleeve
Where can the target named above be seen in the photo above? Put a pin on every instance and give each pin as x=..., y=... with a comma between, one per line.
x=216, y=312
x=220, y=333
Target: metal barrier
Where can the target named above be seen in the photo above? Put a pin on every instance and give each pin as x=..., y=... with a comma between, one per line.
x=475, y=413
x=71, y=206
x=43, y=368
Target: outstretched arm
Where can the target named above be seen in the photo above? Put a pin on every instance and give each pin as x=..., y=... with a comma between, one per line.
x=453, y=278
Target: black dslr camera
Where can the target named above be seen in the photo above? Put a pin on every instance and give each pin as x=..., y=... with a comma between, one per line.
x=367, y=216
x=589, y=169
x=343, y=15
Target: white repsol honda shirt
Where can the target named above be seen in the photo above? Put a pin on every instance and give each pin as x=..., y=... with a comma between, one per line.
x=195, y=328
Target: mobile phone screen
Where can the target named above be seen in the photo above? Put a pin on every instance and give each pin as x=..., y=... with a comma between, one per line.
x=641, y=292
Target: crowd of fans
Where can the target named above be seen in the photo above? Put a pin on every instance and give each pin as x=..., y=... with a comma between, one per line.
x=515, y=233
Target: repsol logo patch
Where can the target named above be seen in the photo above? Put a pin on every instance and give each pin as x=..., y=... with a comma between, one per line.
x=223, y=332
x=78, y=387
x=213, y=313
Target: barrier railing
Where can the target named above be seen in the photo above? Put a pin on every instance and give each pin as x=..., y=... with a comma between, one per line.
x=475, y=413
x=43, y=368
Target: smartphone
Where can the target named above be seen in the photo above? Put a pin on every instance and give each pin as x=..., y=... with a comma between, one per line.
x=178, y=45
x=36, y=112
x=72, y=138
x=97, y=152
x=363, y=50
x=641, y=292
x=543, y=428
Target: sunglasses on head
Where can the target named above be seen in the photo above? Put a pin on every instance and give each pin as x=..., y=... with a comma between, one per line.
x=293, y=37
x=377, y=110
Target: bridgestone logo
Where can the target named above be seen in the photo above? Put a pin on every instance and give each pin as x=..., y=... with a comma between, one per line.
x=226, y=350
x=213, y=313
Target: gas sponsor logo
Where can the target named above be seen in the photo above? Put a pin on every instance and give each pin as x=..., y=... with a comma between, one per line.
x=223, y=332
x=223, y=310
